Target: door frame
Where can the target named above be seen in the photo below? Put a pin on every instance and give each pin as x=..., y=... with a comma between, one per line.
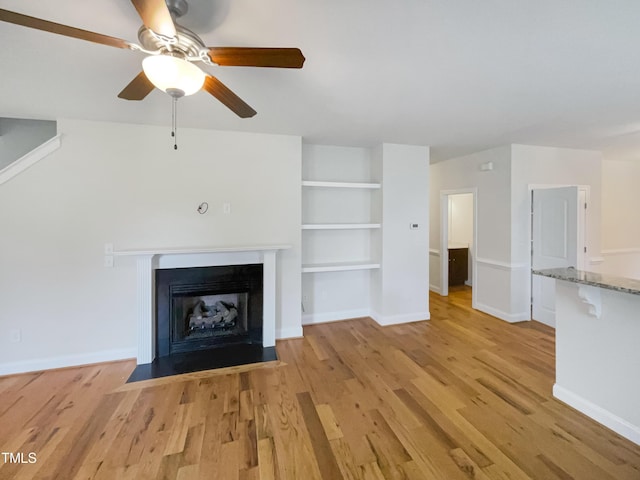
x=582, y=239
x=444, y=241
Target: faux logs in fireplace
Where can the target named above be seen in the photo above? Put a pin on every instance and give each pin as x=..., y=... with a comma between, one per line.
x=207, y=307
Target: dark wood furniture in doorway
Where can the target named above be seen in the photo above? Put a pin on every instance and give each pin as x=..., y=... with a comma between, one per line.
x=458, y=266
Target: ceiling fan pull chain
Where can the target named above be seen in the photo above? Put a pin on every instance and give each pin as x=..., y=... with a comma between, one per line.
x=174, y=122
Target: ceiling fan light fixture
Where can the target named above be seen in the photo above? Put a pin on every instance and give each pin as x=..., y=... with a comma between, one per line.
x=173, y=75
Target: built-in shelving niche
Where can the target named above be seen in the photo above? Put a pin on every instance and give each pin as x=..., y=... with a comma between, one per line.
x=340, y=231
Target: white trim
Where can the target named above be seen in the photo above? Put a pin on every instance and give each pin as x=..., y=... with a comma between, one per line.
x=468, y=283
x=597, y=413
x=29, y=159
x=619, y=251
x=502, y=265
x=269, y=293
x=312, y=318
x=434, y=288
x=198, y=250
x=398, y=319
x=596, y=260
x=146, y=308
x=547, y=317
x=64, y=361
x=502, y=315
x=434, y=251
x=291, y=332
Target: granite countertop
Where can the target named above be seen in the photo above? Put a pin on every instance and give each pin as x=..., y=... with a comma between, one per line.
x=610, y=282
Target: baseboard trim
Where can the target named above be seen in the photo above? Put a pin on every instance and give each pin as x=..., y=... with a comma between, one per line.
x=313, y=318
x=64, y=361
x=507, y=317
x=388, y=320
x=597, y=413
x=545, y=316
x=291, y=332
x=435, y=288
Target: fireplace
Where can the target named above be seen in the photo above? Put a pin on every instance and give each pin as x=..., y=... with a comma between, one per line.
x=203, y=308
x=151, y=259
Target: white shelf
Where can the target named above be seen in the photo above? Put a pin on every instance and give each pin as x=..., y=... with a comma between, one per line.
x=339, y=267
x=339, y=226
x=309, y=183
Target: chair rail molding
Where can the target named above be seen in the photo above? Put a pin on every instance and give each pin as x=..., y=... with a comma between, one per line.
x=501, y=265
x=620, y=251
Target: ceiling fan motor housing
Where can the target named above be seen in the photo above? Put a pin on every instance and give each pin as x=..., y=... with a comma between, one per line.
x=187, y=42
x=178, y=8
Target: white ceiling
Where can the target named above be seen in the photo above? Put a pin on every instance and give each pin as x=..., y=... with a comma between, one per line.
x=458, y=75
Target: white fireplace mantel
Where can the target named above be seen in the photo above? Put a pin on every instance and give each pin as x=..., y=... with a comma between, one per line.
x=150, y=259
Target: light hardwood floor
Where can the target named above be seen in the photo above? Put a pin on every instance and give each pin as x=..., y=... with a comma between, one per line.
x=464, y=396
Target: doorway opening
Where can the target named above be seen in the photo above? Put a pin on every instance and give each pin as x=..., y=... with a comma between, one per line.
x=458, y=240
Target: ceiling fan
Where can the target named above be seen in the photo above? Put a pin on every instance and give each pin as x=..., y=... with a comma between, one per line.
x=172, y=54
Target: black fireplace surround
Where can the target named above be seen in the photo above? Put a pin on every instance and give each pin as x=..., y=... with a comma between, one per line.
x=208, y=307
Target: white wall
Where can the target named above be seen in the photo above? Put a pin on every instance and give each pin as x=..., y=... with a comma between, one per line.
x=401, y=287
x=461, y=219
x=493, y=250
x=19, y=136
x=620, y=218
x=124, y=184
x=534, y=165
x=503, y=223
x=461, y=226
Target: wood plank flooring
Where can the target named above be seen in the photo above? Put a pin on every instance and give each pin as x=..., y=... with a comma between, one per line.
x=463, y=396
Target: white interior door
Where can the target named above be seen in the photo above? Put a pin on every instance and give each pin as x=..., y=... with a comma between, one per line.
x=554, y=245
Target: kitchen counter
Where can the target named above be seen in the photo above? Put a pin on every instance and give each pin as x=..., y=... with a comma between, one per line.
x=597, y=354
x=610, y=282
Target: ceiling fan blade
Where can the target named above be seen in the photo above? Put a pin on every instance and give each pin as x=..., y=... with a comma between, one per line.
x=156, y=16
x=219, y=90
x=39, y=24
x=137, y=89
x=257, y=57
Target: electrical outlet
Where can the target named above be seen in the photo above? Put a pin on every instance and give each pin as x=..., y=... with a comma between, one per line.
x=226, y=208
x=15, y=335
x=108, y=261
x=305, y=297
x=413, y=226
x=108, y=248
